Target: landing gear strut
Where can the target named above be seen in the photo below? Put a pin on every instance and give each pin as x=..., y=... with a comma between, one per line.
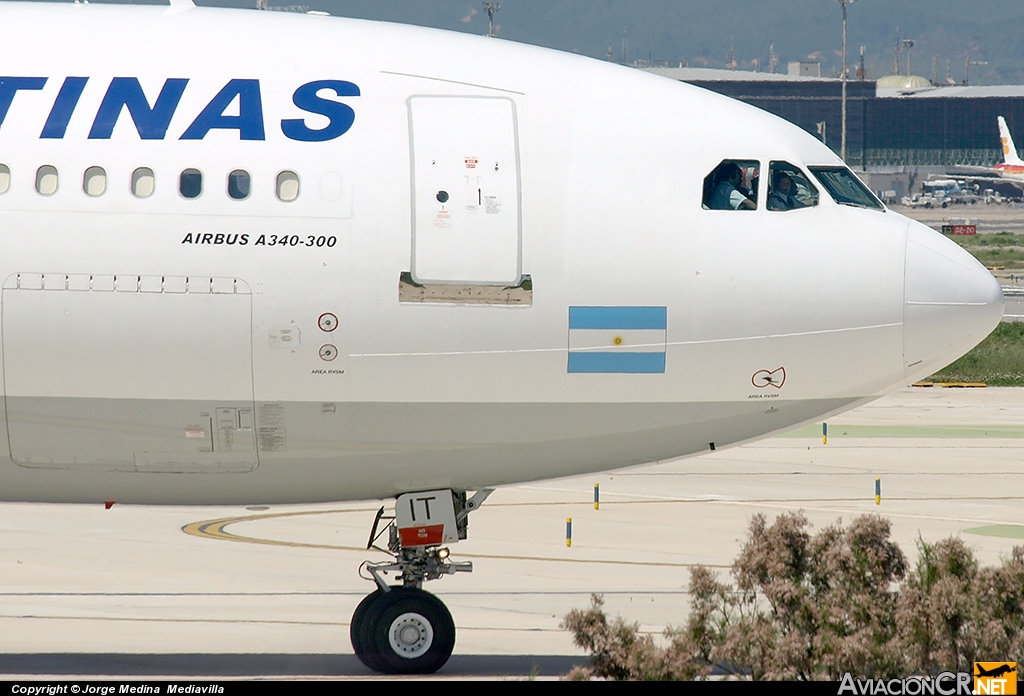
x=402, y=629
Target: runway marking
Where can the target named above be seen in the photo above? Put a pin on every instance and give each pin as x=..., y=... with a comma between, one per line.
x=851, y=445
x=272, y=622
x=999, y=431
x=649, y=499
x=69, y=617
x=804, y=504
x=215, y=529
x=862, y=472
x=869, y=504
x=358, y=594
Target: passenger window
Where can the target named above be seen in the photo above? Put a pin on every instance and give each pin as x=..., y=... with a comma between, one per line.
x=190, y=183
x=143, y=182
x=94, y=183
x=287, y=186
x=732, y=185
x=46, y=180
x=239, y=183
x=5, y=178
x=788, y=188
x=845, y=187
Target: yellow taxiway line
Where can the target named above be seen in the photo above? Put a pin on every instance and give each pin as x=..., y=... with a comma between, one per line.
x=217, y=529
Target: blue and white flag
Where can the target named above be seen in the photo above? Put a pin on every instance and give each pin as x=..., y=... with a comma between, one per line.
x=617, y=339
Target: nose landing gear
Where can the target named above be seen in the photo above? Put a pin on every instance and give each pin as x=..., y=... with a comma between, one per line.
x=402, y=629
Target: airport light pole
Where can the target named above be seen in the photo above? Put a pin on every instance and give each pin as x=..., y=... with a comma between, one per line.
x=490, y=8
x=968, y=63
x=908, y=44
x=842, y=147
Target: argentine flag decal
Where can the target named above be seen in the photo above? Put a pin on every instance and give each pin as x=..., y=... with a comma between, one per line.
x=617, y=339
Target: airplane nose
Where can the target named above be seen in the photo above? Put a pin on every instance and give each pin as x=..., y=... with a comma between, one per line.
x=951, y=302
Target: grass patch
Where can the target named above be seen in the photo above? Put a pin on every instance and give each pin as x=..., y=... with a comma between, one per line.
x=1006, y=531
x=999, y=239
x=998, y=360
x=999, y=249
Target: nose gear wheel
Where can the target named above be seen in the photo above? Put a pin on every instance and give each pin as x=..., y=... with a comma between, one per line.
x=403, y=631
x=411, y=635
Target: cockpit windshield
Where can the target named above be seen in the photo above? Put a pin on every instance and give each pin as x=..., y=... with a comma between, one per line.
x=845, y=187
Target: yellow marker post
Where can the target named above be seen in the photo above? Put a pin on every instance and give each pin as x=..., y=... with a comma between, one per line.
x=878, y=491
x=597, y=496
x=568, y=531
x=824, y=433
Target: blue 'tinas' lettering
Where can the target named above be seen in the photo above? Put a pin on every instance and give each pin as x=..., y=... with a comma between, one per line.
x=150, y=122
x=67, y=99
x=9, y=86
x=249, y=121
x=341, y=115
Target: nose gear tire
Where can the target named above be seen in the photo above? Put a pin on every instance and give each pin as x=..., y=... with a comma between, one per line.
x=360, y=634
x=408, y=631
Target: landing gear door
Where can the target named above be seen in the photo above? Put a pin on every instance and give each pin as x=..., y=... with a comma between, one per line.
x=426, y=519
x=466, y=191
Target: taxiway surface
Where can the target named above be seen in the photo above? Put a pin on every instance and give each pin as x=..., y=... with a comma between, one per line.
x=127, y=591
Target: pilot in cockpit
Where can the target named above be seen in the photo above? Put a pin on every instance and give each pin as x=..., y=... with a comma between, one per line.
x=783, y=194
x=727, y=194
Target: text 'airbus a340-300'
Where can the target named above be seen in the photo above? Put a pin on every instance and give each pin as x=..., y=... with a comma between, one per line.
x=257, y=257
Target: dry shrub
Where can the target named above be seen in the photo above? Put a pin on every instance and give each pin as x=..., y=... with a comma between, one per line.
x=813, y=607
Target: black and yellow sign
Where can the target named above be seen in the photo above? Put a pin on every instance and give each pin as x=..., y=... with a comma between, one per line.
x=995, y=678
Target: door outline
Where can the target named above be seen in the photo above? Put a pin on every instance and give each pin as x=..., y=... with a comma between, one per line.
x=518, y=180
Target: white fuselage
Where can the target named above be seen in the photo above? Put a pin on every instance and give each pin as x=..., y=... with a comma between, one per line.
x=165, y=349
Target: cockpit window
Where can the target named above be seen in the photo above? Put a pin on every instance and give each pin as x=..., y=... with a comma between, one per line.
x=845, y=187
x=732, y=185
x=789, y=189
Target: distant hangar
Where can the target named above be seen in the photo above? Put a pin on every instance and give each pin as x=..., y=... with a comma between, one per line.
x=913, y=124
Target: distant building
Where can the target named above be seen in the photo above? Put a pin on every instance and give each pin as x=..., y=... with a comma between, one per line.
x=897, y=121
x=942, y=126
x=805, y=69
x=903, y=82
x=804, y=100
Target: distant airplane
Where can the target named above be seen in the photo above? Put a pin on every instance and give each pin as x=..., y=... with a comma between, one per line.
x=257, y=257
x=1011, y=168
x=995, y=671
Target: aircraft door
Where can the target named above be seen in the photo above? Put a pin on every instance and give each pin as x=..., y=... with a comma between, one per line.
x=466, y=191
